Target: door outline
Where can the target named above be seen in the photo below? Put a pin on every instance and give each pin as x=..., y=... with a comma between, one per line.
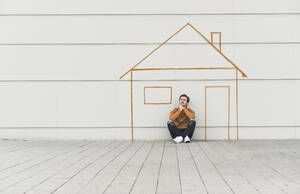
x=205, y=109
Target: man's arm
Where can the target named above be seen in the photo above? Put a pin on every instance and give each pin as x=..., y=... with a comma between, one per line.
x=189, y=113
x=174, y=114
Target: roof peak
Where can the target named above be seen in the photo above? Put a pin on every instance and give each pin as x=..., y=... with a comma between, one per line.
x=179, y=30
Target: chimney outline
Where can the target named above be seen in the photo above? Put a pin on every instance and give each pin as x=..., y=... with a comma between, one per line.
x=212, y=38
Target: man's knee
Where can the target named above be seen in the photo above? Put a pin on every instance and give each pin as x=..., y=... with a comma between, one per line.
x=171, y=123
x=192, y=122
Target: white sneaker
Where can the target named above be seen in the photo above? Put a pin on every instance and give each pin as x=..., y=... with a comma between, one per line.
x=187, y=139
x=178, y=139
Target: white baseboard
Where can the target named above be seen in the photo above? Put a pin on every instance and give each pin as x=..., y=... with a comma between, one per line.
x=145, y=133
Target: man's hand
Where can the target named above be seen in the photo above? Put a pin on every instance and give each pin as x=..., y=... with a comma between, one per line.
x=180, y=106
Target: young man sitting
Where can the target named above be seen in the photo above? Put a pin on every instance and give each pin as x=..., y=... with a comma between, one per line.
x=182, y=121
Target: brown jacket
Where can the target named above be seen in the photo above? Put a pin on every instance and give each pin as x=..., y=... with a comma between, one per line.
x=182, y=118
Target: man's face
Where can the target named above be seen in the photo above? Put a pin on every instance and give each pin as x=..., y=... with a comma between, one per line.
x=183, y=101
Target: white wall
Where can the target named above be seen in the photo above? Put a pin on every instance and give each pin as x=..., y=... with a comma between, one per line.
x=61, y=62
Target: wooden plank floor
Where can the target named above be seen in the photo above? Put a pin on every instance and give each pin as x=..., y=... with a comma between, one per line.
x=117, y=167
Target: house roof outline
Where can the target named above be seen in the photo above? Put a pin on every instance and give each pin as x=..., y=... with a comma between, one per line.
x=179, y=30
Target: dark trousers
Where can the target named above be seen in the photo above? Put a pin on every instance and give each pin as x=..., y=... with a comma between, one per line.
x=189, y=131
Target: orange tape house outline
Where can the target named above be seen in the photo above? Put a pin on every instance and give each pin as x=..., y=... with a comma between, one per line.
x=218, y=50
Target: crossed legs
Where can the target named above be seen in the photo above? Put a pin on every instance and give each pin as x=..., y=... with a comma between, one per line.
x=189, y=131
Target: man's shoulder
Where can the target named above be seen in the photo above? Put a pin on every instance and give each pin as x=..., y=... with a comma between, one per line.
x=174, y=109
x=189, y=109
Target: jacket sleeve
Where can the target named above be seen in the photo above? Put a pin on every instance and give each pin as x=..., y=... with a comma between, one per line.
x=189, y=113
x=174, y=114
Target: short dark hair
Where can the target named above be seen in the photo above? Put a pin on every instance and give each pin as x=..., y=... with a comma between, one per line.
x=184, y=95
